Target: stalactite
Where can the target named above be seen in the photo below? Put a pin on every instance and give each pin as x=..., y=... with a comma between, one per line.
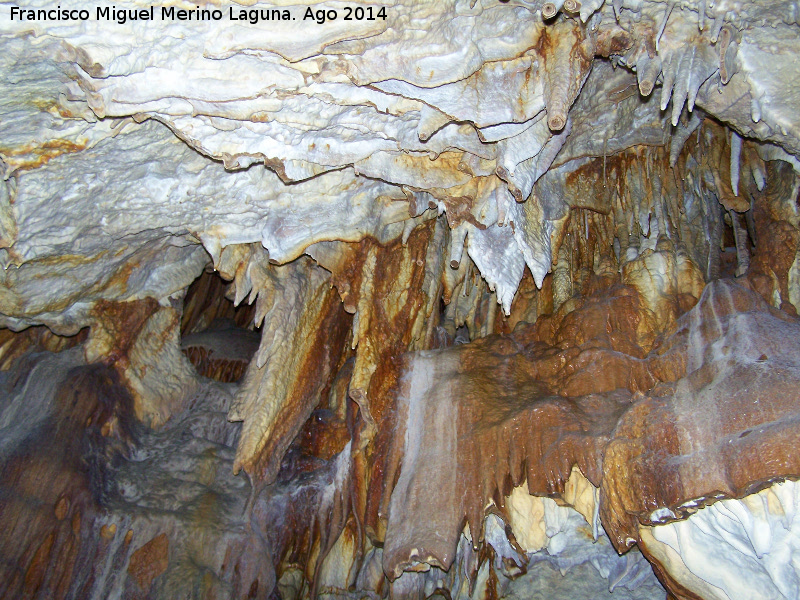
x=701, y=15
x=681, y=135
x=283, y=383
x=550, y=9
x=567, y=61
x=381, y=268
x=742, y=245
x=728, y=50
x=562, y=277
x=715, y=229
x=736, y=152
x=661, y=27
x=647, y=71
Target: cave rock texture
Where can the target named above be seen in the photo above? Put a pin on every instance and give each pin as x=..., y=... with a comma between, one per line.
x=409, y=299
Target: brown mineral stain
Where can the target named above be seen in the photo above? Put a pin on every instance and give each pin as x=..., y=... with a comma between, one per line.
x=62, y=508
x=42, y=154
x=34, y=576
x=724, y=429
x=122, y=322
x=149, y=561
x=76, y=522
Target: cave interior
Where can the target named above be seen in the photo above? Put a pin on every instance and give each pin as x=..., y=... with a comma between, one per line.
x=455, y=300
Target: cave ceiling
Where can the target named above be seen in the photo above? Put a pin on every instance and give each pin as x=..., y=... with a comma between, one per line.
x=417, y=298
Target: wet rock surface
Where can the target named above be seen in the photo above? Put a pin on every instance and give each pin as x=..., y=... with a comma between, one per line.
x=460, y=300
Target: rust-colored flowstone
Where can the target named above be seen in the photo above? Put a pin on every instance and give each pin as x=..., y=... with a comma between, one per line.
x=712, y=412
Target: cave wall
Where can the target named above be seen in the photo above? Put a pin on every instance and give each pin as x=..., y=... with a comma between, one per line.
x=474, y=299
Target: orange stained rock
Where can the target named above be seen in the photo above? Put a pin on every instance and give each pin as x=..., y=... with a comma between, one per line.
x=207, y=300
x=14, y=344
x=778, y=240
x=107, y=532
x=729, y=424
x=475, y=426
x=31, y=157
x=397, y=303
x=475, y=421
x=35, y=574
x=120, y=323
x=142, y=341
x=286, y=378
x=62, y=508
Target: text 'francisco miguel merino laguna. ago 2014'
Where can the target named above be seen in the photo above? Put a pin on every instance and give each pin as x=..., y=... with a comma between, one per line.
x=171, y=13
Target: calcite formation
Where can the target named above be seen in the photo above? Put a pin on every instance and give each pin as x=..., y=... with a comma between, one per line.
x=405, y=299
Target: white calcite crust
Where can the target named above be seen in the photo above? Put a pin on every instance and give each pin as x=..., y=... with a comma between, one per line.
x=446, y=98
x=735, y=549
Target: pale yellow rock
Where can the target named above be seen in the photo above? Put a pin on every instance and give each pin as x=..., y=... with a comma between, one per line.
x=734, y=548
x=526, y=517
x=794, y=281
x=338, y=569
x=581, y=495
x=659, y=276
x=291, y=584
x=160, y=375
